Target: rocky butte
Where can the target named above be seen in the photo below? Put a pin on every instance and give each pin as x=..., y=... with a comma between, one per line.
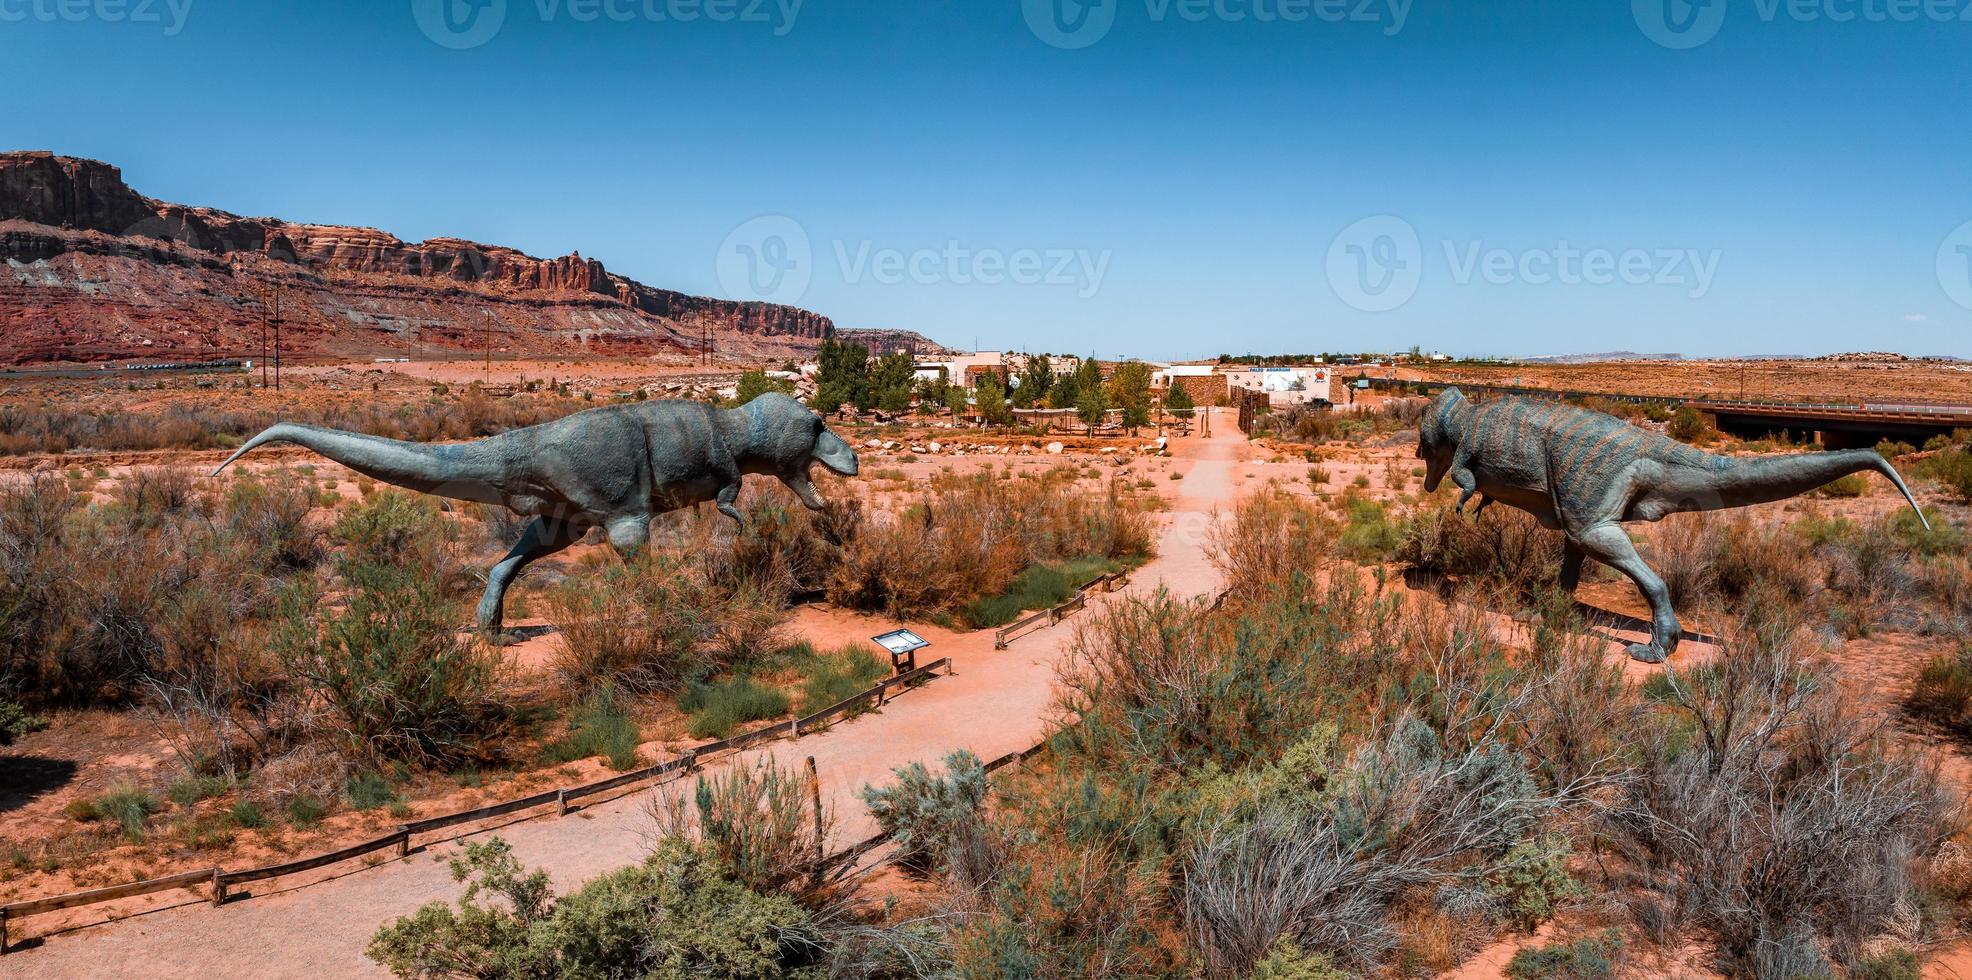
x=96, y=271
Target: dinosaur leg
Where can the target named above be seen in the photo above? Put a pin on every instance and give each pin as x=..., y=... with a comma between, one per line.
x=543, y=537
x=728, y=499
x=1571, y=563
x=1608, y=544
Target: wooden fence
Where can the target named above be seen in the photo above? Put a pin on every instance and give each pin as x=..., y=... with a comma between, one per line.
x=1108, y=583
x=221, y=881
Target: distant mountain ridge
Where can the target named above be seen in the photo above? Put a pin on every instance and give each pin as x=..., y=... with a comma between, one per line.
x=96, y=271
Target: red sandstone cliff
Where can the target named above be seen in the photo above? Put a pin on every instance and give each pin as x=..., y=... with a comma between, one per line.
x=96, y=271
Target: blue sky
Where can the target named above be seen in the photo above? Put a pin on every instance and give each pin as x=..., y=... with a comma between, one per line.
x=1175, y=188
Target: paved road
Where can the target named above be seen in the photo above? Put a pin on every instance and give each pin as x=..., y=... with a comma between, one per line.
x=996, y=702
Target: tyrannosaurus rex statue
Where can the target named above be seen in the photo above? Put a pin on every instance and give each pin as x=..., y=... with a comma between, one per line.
x=1583, y=473
x=614, y=467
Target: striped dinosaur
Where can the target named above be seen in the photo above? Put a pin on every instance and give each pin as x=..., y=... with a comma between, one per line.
x=614, y=467
x=1583, y=473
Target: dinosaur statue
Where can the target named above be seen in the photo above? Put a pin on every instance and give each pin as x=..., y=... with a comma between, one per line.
x=1583, y=473
x=614, y=467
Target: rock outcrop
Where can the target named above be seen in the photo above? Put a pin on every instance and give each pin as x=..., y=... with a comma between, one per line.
x=95, y=271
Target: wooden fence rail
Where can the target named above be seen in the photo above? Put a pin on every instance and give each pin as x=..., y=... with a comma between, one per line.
x=221, y=881
x=1108, y=583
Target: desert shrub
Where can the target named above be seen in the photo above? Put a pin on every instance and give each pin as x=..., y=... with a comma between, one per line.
x=1285, y=961
x=1036, y=587
x=1942, y=538
x=247, y=814
x=149, y=496
x=1942, y=692
x=756, y=819
x=719, y=707
x=128, y=807
x=390, y=667
x=1369, y=533
x=1894, y=964
x=394, y=528
x=1502, y=548
x=935, y=821
x=195, y=787
x=1587, y=958
x=1890, y=449
x=16, y=721
x=650, y=624
x=680, y=914
x=306, y=811
x=272, y=517
x=600, y=725
x=1852, y=485
x=972, y=535
x=836, y=676
x=1953, y=468
x=1269, y=537
x=369, y=791
x=1687, y=425
x=1765, y=815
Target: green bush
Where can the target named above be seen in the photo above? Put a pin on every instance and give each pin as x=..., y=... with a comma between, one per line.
x=1532, y=879
x=391, y=667
x=129, y=807
x=15, y=721
x=932, y=817
x=1285, y=961
x=1037, y=587
x=756, y=820
x=1895, y=964
x=194, y=788
x=1943, y=691
x=247, y=814
x=1852, y=485
x=834, y=677
x=305, y=811
x=1687, y=425
x=369, y=790
x=599, y=726
x=680, y=915
x=1953, y=468
x=716, y=709
x=393, y=528
x=1588, y=958
x=1368, y=532
x=1890, y=449
x=1942, y=538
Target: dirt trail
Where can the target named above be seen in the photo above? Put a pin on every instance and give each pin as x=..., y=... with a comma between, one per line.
x=995, y=702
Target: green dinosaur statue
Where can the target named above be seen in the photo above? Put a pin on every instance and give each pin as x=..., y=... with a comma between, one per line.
x=1583, y=473
x=614, y=468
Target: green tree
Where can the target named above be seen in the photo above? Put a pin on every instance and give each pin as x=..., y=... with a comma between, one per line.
x=1065, y=391
x=1178, y=401
x=1091, y=405
x=1035, y=379
x=992, y=397
x=1129, y=390
x=753, y=384
x=842, y=377
x=891, y=380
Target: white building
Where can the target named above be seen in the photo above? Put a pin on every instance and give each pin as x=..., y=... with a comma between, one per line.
x=1284, y=385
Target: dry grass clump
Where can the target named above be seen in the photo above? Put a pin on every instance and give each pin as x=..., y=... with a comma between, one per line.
x=1269, y=537
x=651, y=624
x=1504, y=548
x=969, y=537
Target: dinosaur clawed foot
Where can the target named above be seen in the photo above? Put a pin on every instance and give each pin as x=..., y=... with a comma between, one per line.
x=1648, y=653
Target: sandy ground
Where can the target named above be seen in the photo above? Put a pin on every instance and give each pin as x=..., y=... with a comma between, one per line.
x=995, y=702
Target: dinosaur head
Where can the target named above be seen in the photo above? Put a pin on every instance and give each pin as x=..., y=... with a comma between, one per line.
x=1438, y=434
x=786, y=439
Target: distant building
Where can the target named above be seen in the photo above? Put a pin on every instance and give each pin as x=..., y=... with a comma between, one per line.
x=1284, y=385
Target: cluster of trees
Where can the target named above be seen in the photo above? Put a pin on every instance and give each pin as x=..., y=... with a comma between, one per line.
x=847, y=375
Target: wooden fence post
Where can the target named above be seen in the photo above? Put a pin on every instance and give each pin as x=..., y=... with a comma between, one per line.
x=3, y=932
x=404, y=843
x=218, y=887
x=561, y=803
x=821, y=838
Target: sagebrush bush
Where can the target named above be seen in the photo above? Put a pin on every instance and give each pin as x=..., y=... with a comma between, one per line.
x=1504, y=548
x=680, y=914
x=391, y=668
x=599, y=725
x=935, y=821
x=759, y=822
x=650, y=624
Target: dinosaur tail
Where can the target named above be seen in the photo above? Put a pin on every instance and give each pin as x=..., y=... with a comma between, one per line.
x=462, y=472
x=1764, y=479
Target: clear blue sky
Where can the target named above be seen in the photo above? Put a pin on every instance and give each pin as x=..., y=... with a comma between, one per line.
x=1205, y=167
